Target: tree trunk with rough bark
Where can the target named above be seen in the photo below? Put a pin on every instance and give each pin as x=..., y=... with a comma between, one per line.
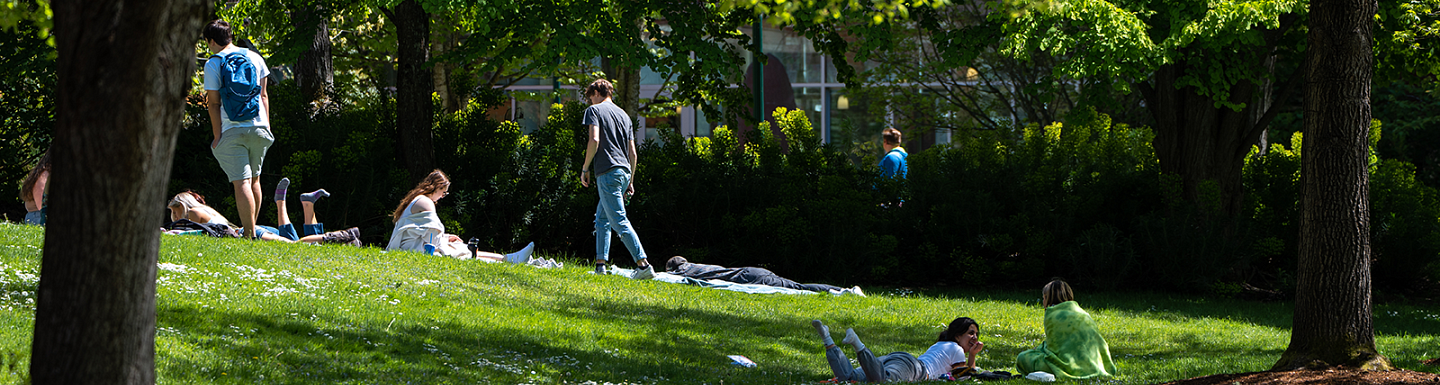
x=118, y=112
x=1333, y=324
x=627, y=88
x=1206, y=144
x=314, y=70
x=414, y=84
x=1202, y=143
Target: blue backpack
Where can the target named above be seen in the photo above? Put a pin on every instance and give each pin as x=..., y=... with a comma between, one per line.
x=239, y=86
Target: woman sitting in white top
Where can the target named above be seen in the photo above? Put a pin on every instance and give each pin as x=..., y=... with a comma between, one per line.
x=954, y=352
x=416, y=224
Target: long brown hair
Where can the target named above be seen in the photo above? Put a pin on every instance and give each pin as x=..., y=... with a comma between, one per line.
x=435, y=181
x=26, y=189
x=188, y=201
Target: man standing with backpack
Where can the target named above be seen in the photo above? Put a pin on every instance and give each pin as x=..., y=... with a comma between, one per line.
x=235, y=92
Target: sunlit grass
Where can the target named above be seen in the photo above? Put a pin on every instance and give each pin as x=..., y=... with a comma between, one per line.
x=231, y=311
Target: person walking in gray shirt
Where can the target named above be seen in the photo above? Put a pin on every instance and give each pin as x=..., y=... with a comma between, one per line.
x=610, y=152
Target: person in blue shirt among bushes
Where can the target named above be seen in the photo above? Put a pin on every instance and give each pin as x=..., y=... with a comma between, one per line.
x=893, y=164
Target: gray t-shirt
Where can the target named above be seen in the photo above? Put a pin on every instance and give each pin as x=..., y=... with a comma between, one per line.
x=615, y=136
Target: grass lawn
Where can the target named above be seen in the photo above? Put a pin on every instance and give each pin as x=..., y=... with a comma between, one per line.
x=236, y=312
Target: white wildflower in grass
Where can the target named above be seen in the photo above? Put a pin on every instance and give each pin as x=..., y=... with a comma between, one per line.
x=173, y=267
x=278, y=290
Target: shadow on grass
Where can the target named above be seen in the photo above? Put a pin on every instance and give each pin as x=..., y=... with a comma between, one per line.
x=662, y=345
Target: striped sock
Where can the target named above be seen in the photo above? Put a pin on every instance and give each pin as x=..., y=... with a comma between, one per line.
x=282, y=188
x=314, y=195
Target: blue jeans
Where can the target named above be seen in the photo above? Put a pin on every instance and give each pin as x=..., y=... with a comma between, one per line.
x=610, y=214
x=288, y=230
x=35, y=217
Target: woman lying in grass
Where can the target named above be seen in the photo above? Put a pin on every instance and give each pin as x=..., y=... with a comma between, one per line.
x=189, y=205
x=954, y=352
x=416, y=224
x=1073, y=348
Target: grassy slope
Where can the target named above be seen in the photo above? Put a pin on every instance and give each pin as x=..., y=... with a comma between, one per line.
x=236, y=312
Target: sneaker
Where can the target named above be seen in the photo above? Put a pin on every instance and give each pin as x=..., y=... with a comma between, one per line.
x=600, y=268
x=557, y=264
x=856, y=291
x=355, y=237
x=350, y=236
x=647, y=272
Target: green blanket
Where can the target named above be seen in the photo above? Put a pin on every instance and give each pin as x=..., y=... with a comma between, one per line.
x=1073, y=348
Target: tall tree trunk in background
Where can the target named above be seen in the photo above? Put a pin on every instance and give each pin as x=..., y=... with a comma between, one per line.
x=627, y=87
x=1206, y=144
x=625, y=74
x=118, y=111
x=314, y=70
x=1203, y=144
x=1333, y=323
x=414, y=83
x=450, y=81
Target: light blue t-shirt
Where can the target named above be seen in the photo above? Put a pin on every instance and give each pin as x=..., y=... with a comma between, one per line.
x=212, y=83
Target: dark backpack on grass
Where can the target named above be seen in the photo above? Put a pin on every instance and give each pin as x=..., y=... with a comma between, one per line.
x=239, y=85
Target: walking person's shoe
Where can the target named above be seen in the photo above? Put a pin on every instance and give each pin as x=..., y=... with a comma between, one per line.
x=600, y=269
x=643, y=273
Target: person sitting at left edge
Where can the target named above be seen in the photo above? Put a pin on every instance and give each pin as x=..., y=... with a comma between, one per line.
x=748, y=275
x=34, y=189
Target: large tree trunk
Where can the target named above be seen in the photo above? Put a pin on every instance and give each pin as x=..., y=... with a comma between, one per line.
x=627, y=87
x=1206, y=144
x=1202, y=143
x=1333, y=322
x=314, y=71
x=626, y=76
x=118, y=111
x=414, y=83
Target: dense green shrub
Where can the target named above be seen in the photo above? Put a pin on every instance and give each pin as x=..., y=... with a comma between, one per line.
x=510, y=188
x=806, y=212
x=1404, y=218
x=1060, y=200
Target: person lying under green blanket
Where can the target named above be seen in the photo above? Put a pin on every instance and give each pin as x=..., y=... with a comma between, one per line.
x=1073, y=348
